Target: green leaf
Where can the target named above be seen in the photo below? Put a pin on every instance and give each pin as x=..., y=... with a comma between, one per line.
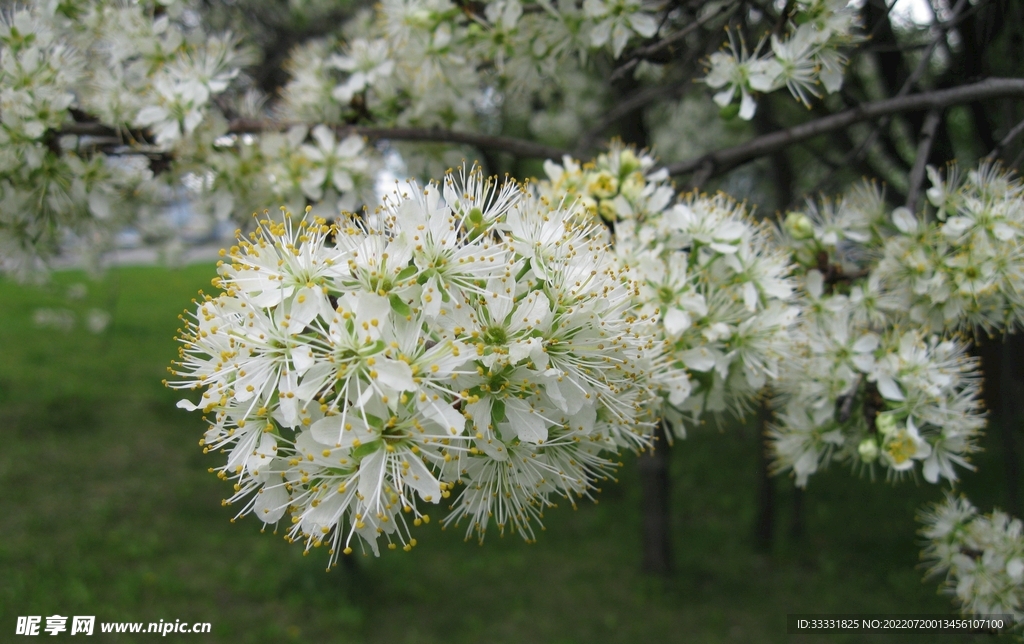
x=729, y=112
x=398, y=306
x=406, y=273
x=366, y=449
x=497, y=412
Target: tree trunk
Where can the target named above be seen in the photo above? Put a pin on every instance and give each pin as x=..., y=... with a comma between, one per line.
x=1006, y=414
x=1001, y=389
x=653, y=466
x=796, y=521
x=764, y=527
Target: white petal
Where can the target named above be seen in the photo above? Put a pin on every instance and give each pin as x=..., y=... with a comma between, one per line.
x=889, y=389
x=271, y=503
x=525, y=421
x=444, y=415
x=866, y=343
x=342, y=431
x=371, y=479
x=302, y=359
x=676, y=321
x=747, y=106
x=395, y=374
x=904, y=220
x=724, y=97
x=644, y=24
x=699, y=359
x=324, y=136
x=305, y=308
x=750, y=296
x=419, y=478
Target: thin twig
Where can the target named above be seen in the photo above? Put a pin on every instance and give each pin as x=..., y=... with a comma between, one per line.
x=728, y=158
x=1016, y=161
x=1007, y=140
x=645, y=53
x=634, y=102
x=924, y=146
x=858, y=153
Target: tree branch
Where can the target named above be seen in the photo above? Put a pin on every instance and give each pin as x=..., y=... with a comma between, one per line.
x=729, y=158
x=635, y=102
x=956, y=15
x=516, y=147
x=1007, y=140
x=931, y=122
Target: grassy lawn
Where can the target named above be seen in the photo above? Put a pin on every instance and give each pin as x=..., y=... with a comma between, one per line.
x=107, y=509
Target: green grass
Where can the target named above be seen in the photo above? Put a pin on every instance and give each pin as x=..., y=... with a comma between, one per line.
x=107, y=509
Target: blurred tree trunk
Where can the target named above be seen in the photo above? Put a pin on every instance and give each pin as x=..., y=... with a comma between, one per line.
x=655, y=486
x=1002, y=391
x=764, y=526
x=653, y=464
x=796, y=520
x=1007, y=417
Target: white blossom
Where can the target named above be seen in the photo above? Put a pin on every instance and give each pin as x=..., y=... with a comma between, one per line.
x=980, y=557
x=352, y=381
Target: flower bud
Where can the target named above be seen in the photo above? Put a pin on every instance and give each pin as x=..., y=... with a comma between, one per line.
x=885, y=423
x=603, y=185
x=868, y=450
x=632, y=186
x=628, y=163
x=799, y=226
x=608, y=211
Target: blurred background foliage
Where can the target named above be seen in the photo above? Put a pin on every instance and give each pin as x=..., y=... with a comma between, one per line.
x=108, y=510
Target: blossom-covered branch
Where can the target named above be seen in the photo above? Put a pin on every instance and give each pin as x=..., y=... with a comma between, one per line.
x=516, y=147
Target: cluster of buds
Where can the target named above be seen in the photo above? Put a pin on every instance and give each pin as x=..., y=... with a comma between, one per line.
x=619, y=185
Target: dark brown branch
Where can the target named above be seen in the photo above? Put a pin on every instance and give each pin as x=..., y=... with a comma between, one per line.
x=729, y=158
x=1007, y=140
x=516, y=147
x=940, y=36
x=931, y=123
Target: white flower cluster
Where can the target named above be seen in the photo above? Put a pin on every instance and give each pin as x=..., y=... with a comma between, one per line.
x=836, y=235
x=965, y=271
x=980, y=556
x=869, y=384
x=433, y=63
x=707, y=273
x=721, y=293
x=298, y=166
x=460, y=333
x=112, y=61
x=895, y=399
x=807, y=57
